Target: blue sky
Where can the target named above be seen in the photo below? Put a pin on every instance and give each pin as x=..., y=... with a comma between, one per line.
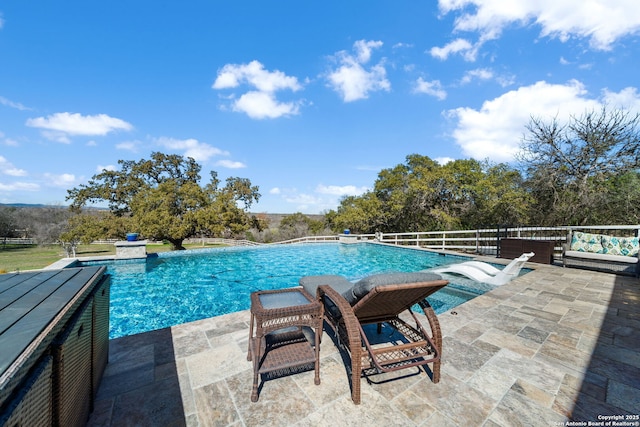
x=309, y=100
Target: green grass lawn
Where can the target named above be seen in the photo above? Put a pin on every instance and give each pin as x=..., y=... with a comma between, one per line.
x=34, y=257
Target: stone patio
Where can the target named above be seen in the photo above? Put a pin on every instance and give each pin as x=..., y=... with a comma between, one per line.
x=553, y=345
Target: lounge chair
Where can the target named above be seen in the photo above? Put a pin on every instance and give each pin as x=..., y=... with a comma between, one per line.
x=486, y=273
x=380, y=299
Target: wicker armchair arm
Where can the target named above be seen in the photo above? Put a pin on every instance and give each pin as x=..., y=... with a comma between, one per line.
x=350, y=319
x=434, y=323
x=436, y=336
x=352, y=329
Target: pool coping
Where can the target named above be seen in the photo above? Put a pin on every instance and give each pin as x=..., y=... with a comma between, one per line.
x=73, y=261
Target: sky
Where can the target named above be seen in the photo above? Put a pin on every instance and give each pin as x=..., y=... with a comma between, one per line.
x=308, y=100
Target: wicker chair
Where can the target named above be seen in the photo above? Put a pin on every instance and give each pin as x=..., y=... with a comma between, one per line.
x=381, y=299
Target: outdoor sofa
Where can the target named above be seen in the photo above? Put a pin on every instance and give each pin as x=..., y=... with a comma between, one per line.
x=602, y=252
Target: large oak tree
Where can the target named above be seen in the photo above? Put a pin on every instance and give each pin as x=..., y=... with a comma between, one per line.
x=163, y=200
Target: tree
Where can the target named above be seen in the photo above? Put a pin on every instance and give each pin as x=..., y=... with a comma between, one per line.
x=43, y=224
x=91, y=225
x=570, y=168
x=422, y=195
x=299, y=225
x=164, y=200
x=7, y=223
x=360, y=214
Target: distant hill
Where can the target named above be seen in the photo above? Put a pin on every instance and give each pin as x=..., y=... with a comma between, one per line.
x=36, y=206
x=274, y=219
x=26, y=205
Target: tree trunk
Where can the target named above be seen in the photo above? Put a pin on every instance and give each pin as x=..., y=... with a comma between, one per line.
x=176, y=244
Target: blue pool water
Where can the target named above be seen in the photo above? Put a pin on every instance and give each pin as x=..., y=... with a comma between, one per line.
x=179, y=287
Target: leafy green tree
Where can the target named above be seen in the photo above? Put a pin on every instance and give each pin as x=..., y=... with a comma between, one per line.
x=299, y=225
x=499, y=197
x=163, y=199
x=571, y=168
x=92, y=225
x=422, y=195
x=360, y=214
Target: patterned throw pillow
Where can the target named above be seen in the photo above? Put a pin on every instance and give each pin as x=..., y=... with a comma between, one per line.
x=586, y=242
x=627, y=246
x=611, y=245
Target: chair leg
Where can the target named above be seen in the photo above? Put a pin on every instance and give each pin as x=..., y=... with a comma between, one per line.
x=355, y=377
x=317, y=335
x=253, y=345
x=436, y=372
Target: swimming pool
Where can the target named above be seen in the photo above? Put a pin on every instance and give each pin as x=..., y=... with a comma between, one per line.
x=179, y=287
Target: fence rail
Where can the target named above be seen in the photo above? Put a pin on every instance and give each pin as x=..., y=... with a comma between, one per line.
x=221, y=241
x=487, y=241
x=481, y=241
x=17, y=241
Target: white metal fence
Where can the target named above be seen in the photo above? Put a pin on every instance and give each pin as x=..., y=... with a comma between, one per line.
x=220, y=241
x=17, y=241
x=480, y=241
x=486, y=241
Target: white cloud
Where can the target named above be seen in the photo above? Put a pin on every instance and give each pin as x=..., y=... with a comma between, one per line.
x=603, y=22
x=506, y=80
x=254, y=74
x=10, y=142
x=19, y=186
x=477, y=74
x=56, y=136
x=363, y=49
x=9, y=103
x=59, y=126
x=345, y=190
x=229, y=164
x=402, y=45
x=7, y=168
x=260, y=103
x=468, y=51
x=433, y=88
x=304, y=202
x=129, y=146
x=495, y=130
x=100, y=168
x=264, y=105
x=628, y=99
x=443, y=160
x=352, y=80
x=322, y=198
x=64, y=180
x=191, y=147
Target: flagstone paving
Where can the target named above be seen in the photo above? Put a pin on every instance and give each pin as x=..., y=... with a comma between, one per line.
x=551, y=346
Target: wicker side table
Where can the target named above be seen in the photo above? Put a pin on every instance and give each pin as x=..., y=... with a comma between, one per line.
x=277, y=342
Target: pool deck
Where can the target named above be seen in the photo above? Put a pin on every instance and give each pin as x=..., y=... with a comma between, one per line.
x=553, y=345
